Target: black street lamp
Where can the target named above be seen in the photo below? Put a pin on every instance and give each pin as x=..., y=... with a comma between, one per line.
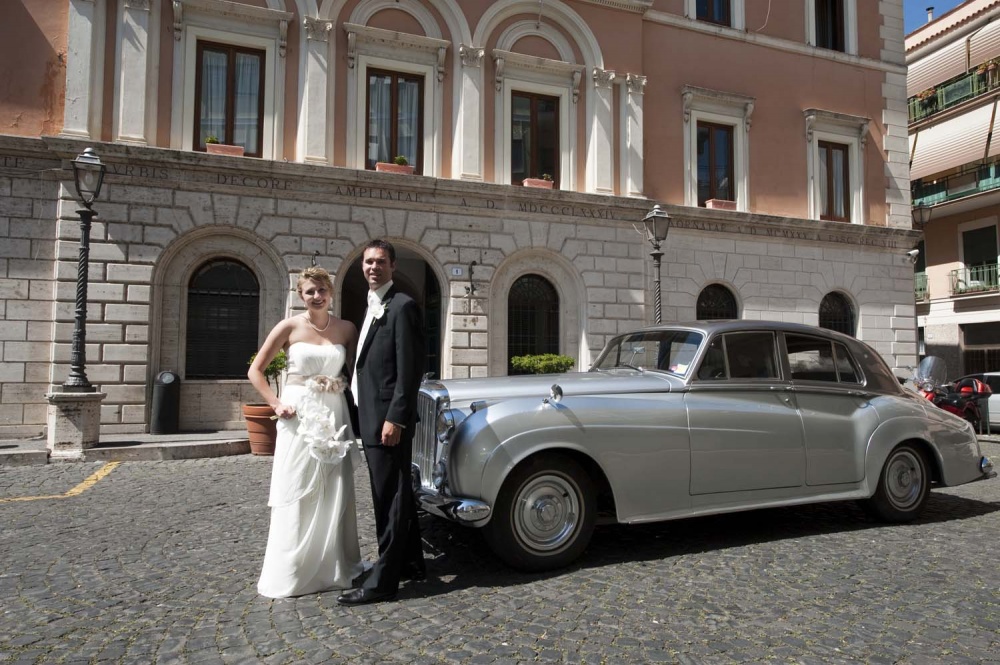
x=88, y=176
x=656, y=224
x=921, y=214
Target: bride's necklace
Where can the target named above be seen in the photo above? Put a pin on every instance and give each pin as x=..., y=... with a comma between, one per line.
x=319, y=330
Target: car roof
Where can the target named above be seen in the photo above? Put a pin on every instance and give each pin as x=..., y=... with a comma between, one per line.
x=736, y=325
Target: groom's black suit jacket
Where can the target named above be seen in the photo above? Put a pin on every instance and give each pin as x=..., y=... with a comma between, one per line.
x=390, y=366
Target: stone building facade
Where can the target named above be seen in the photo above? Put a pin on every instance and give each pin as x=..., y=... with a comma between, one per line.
x=469, y=239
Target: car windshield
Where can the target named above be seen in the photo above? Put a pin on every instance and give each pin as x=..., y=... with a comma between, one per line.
x=666, y=350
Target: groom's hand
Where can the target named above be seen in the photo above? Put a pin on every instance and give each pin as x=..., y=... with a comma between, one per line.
x=391, y=433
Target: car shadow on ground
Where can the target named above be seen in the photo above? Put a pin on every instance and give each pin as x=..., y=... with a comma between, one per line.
x=458, y=557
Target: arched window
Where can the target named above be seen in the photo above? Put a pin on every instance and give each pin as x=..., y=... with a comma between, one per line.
x=532, y=317
x=836, y=313
x=716, y=302
x=222, y=320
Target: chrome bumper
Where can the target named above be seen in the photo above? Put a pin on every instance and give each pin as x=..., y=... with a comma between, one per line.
x=986, y=466
x=464, y=511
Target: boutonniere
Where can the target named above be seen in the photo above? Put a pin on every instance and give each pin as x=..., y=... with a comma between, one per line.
x=378, y=311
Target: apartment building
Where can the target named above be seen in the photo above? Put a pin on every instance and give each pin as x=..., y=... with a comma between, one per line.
x=953, y=85
x=540, y=134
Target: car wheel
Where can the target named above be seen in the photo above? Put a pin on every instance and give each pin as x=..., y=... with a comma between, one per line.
x=902, y=487
x=544, y=515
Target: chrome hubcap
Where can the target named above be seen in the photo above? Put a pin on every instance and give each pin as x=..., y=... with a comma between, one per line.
x=904, y=479
x=547, y=513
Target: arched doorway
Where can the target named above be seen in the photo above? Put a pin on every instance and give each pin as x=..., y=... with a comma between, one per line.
x=414, y=277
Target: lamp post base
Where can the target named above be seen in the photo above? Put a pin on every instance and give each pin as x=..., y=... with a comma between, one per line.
x=74, y=424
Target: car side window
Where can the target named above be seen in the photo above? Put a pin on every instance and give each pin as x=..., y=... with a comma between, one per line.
x=847, y=368
x=994, y=383
x=751, y=355
x=713, y=366
x=811, y=358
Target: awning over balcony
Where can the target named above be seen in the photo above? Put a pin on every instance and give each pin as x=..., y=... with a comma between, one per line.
x=955, y=142
x=936, y=67
x=954, y=59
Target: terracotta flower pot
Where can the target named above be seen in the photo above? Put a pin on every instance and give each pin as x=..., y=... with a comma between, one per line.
x=720, y=204
x=537, y=182
x=224, y=149
x=261, y=429
x=389, y=167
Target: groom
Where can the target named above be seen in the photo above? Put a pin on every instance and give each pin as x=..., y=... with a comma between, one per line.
x=386, y=381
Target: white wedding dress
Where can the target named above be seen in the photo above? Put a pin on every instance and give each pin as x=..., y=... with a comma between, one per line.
x=312, y=544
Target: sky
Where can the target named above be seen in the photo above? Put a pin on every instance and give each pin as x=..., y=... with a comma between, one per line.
x=915, y=11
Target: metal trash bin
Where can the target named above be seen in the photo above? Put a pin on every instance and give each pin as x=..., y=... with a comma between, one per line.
x=166, y=403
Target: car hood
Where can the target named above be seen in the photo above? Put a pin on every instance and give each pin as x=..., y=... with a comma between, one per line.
x=462, y=392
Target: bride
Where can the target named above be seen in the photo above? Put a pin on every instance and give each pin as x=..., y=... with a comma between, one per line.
x=312, y=544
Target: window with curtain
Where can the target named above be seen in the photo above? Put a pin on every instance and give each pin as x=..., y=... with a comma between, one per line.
x=830, y=25
x=395, y=118
x=836, y=313
x=716, y=302
x=222, y=316
x=714, y=11
x=534, y=137
x=229, y=97
x=834, y=182
x=532, y=317
x=715, y=162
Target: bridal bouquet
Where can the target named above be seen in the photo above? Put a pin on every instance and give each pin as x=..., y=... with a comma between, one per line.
x=318, y=429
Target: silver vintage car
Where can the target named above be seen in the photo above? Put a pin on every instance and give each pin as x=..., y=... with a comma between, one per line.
x=680, y=420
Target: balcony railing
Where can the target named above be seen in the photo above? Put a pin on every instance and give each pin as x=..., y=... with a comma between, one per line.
x=953, y=92
x=920, y=285
x=972, y=179
x=974, y=279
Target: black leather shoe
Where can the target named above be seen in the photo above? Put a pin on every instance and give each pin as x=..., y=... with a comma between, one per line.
x=364, y=596
x=414, y=572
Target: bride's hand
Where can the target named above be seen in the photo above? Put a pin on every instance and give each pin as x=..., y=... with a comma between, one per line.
x=284, y=411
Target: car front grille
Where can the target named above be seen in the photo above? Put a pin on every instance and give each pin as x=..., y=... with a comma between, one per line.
x=425, y=438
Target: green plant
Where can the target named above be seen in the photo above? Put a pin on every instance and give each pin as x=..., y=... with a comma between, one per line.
x=274, y=369
x=546, y=363
x=547, y=177
x=401, y=160
x=211, y=138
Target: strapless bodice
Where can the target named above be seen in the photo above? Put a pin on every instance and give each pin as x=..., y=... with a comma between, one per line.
x=308, y=359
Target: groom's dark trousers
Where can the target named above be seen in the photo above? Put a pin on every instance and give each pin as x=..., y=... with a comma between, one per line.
x=390, y=366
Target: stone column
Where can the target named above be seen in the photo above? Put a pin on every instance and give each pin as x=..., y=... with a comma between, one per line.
x=74, y=424
x=83, y=79
x=600, y=160
x=315, y=120
x=631, y=135
x=467, y=162
x=133, y=73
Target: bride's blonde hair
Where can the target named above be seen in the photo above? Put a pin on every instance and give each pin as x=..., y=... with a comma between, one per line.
x=316, y=274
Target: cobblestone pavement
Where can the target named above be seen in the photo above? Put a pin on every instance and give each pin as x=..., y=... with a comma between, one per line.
x=158, y=561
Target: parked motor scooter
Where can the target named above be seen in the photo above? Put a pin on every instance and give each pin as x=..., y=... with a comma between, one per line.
x=931, y=381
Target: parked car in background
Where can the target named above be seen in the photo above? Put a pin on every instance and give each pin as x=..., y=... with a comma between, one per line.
x=991, y=379
x=680, y=420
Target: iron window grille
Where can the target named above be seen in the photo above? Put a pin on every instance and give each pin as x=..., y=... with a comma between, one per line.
x=223, y=312
x=836, y=313
x=532, y=317
x=716, y=302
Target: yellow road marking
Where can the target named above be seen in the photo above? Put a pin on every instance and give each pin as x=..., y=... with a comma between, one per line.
x=91, y=480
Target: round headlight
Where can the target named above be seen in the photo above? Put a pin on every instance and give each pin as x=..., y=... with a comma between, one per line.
x=445, y=425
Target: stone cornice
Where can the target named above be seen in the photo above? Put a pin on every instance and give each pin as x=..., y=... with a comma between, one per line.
x=394, y=41
x=765, y=41
x=634, y=6
x=174, y=169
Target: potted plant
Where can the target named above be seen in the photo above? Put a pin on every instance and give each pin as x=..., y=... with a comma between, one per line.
x=262, y=425
x=399, y=164
x=545, y=182
x=213, y=146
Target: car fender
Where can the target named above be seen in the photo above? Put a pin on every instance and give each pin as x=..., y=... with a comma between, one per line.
x=955, y=451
